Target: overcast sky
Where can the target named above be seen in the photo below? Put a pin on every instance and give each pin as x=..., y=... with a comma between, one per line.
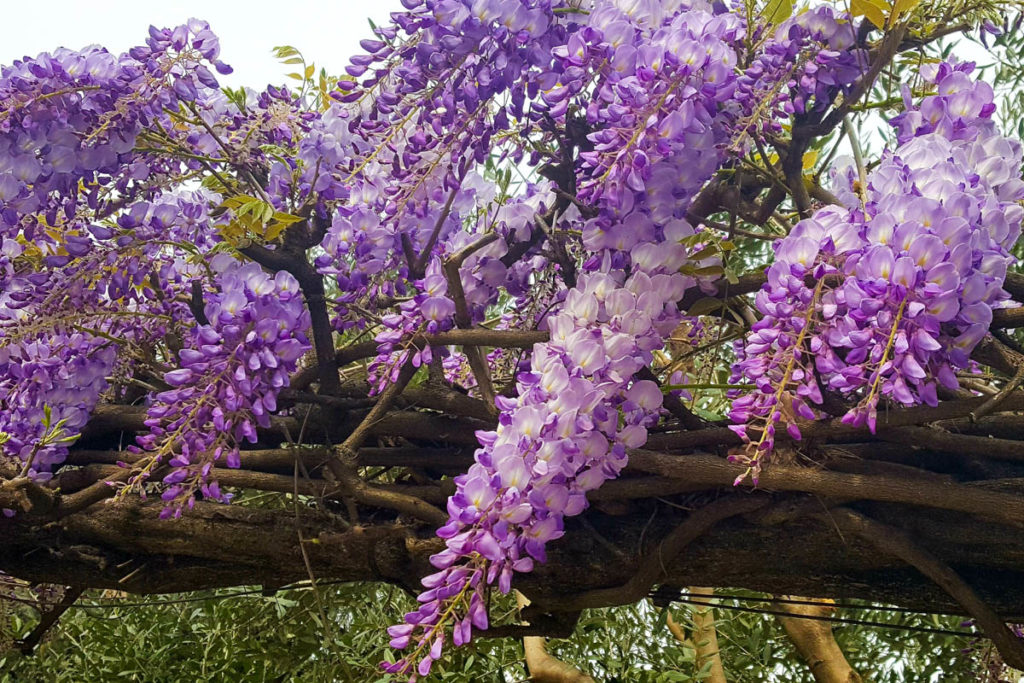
x=327, y=32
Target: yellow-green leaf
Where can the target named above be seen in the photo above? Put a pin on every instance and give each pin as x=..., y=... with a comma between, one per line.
x=777, y=11
x=874, y=10
x=810, y=158
x=286, y=218
x=273, y=231
x=901, y=7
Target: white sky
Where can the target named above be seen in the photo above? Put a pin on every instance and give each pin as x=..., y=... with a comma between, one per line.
x=327, y=32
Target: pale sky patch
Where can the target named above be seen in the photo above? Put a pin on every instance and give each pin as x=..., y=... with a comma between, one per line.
x=327, y=33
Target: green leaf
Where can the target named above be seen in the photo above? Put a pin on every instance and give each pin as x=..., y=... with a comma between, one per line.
x=707, y=271
x=704, y=306
x=706, y=252
x=777, y=11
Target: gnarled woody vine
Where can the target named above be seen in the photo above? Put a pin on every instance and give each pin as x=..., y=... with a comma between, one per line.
x=217, y=255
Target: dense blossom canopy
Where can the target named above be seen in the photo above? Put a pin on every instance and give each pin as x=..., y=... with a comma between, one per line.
x=151, y=221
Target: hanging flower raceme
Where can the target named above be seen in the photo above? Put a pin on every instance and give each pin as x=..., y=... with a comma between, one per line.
x=73, y=117
x=800, y=68
x=577, y=412
x=579, y=408
x=889, y=296
x=659, y=82
x=49, y=385
x=227, y=384
x=420, y=118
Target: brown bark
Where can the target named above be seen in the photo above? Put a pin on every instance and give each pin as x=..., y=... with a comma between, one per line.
x=814, y=641
x=677, y=631
x=705, y=639
x=899, y=544
x=124, y=545
x=541, y=665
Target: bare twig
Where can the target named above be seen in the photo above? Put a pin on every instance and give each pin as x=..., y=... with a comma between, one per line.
x=27, y=645
x=998, y=399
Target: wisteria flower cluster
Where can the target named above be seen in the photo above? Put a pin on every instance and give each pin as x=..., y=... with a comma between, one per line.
x=59, y=342
x=800, y=68
x=577, y=412
x=49, y=385
x=73, y=116
x=668, y=74
x=888, y=296
x=375, y=212
x=227, y=385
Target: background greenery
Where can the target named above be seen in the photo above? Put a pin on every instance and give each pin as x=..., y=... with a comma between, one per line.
x=228, y=636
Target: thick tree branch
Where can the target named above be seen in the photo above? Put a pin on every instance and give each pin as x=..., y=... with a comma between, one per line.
x=705, y=639
x=541, y=665
x=815, y=642
x=653, y=566
x=895, y=542
x=217, y=545
x=701, y=471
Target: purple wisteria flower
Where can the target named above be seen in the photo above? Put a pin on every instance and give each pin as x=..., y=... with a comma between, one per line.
x=227, y=385
x=913, y=270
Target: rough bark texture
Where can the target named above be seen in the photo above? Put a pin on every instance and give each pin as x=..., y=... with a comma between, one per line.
x=217, y=545
x=953, y=484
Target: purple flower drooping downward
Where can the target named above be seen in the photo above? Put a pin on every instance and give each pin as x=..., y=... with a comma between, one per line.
x=906, y=278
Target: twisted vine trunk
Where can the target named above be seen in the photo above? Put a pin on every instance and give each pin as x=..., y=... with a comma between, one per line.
x=705, y=640
x=541, y=665
x=814, y=641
